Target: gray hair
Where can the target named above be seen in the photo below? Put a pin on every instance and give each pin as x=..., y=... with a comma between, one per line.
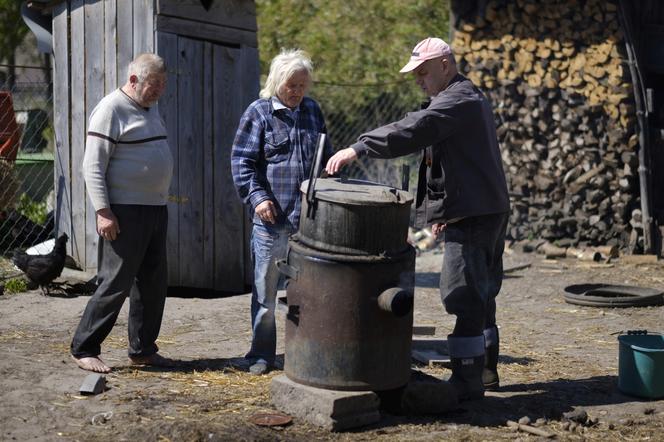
x=282, y=67
x=146, y=64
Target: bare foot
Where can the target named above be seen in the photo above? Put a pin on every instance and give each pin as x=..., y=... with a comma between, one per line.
x=92, y=364
x=155, y=360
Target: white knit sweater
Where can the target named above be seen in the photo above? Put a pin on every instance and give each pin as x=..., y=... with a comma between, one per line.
x=127, y=159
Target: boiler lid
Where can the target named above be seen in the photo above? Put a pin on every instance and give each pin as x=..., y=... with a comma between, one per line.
x=357, y=192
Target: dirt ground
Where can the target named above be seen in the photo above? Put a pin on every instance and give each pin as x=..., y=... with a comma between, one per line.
x=556, y=358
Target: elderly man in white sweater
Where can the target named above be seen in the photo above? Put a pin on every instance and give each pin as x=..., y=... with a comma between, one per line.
x=127, y=168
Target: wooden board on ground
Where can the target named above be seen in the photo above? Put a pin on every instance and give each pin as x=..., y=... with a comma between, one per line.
x=515, y=267
x=432, y=352
x=424, y=330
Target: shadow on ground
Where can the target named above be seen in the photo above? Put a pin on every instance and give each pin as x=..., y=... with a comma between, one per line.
x=427, y=280
x=542, y=399
x=539, y=399
x=211, y=364
x=191, y=292
x=431, y=280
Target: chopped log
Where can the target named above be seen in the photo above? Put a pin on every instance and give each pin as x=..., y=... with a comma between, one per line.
x=551, y=251
x=608, y=251
x=564, y=106
x=584, y=254
x=639, y=259
x=590, y=255
x=529, y=429
x=583, y=179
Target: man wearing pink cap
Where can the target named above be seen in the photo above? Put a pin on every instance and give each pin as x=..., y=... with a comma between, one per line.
x=462, y=194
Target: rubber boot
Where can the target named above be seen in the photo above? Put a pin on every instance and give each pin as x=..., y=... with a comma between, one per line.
x=467, y=357
x=490, y=373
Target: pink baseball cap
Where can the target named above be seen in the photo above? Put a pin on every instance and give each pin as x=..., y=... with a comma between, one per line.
x=426, y=50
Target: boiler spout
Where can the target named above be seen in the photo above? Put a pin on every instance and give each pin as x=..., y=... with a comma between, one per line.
x=397, y=301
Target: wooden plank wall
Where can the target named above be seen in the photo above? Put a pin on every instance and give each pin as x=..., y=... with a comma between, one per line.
x=251, y=74
x=190, y=159
x=77, y=129
x=167, y=48
x=209, y=86
x=143, y=26
x=125, y=40
x=94, y=92
x=111, y=80
x=209, y=166
x=62, y=172
x=206, y=225
x=206, y=31
x=230, y=13
x=229, y=213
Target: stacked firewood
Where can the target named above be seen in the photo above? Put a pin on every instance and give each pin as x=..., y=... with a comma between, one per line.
x=557, y=75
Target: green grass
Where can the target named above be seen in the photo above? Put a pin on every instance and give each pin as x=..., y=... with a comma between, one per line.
x=16, y=285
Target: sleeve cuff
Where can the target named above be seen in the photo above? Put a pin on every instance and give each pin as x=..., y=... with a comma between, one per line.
x=257, y=198
x=99, y=204
x=360, y=149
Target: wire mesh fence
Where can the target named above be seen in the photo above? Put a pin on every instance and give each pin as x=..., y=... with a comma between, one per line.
x=346, y=122
x=26, y=159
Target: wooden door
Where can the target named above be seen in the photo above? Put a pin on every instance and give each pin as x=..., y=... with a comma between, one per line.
x=209, y=86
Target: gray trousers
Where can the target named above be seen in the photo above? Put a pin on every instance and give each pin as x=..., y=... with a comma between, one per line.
x=472, y=271
x=133, y=265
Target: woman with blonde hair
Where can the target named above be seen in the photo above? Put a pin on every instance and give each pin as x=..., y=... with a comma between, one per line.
x=272, y=154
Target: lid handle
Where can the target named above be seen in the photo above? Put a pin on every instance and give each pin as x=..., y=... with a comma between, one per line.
x=315, y=171
x=405, y=177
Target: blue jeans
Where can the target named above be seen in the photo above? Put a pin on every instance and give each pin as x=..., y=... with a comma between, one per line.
x=268, y=244
x=472, y=271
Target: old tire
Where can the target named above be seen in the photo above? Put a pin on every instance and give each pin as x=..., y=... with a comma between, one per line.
x=607, y=295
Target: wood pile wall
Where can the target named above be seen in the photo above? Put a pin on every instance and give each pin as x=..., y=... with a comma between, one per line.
x=556, y=73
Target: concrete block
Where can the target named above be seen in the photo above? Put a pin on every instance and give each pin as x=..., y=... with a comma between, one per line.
x=330, y=409
x=93, y=384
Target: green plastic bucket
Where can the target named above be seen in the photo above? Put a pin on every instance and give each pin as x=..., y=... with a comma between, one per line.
x=641, y=365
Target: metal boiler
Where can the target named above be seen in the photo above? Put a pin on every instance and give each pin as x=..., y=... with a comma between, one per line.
x=351, y=276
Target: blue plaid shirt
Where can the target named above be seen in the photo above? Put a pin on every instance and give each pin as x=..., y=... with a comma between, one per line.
x=273, y=153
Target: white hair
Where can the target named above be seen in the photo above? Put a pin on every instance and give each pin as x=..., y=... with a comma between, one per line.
x=282, y=67
x=146, y=64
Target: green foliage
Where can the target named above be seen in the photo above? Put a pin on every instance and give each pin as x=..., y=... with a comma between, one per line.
x=357, y=47
x=16, y=285
x=49, y=134
x=34, y=210
x=12, y=28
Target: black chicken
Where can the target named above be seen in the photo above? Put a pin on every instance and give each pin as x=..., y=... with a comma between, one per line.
x=43, y=269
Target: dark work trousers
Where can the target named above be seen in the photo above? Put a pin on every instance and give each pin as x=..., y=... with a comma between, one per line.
x=472, y=271
x=133, y=265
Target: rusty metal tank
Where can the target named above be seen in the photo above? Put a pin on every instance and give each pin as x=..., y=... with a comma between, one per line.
x=351, y=277
x=350, y=318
